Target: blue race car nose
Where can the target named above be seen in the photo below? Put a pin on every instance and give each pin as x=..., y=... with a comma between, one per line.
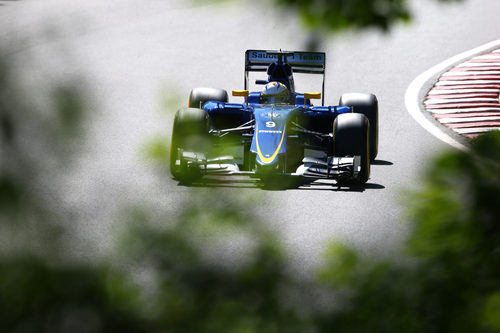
x=269, y=140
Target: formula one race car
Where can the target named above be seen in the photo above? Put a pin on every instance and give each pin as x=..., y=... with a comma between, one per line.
x=276, y=131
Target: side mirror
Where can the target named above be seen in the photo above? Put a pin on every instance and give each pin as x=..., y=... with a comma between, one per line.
x=311, y=96
x=241, y=93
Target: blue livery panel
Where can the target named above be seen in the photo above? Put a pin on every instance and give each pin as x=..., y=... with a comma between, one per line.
x=269, y=139
x=227, y=115
x=270, y=134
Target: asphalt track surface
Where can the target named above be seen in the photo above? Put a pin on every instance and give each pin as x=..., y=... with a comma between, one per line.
x=132, y=54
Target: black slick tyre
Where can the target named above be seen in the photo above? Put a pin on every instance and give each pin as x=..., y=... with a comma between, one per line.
x=366, y=104
x=200, y=96
x=189, y=133
x=351, y=132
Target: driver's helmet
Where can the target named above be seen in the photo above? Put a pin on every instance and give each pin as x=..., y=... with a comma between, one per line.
x=275, y=92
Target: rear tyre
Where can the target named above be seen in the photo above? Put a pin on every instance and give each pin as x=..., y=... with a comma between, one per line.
x=366, y=104
x=351, y=132
x=189, y=133
x=200, y=96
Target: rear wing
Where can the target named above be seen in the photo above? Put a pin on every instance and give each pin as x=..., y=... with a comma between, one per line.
x=301, y=62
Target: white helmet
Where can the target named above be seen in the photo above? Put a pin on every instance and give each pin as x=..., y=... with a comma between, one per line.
x=275, y=92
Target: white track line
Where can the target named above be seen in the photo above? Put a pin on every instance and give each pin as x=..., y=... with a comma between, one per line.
x=464, y=110
x=458, y=100
x=454, y=83
x=469, y=73
x=488, y=56
x=414, y=105
x=475, y=130
x=479, y=64
x=461, y=91
x=466, y=120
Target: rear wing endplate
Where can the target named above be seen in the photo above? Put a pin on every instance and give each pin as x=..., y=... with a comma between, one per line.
x=301, y=62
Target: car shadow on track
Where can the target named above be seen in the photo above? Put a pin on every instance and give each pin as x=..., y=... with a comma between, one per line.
x=320, y=185
x=305, y=185
x=229, y=182
x=381, y=162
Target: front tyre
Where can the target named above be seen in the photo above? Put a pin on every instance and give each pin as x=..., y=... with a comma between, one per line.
x=351, y=132
x=366, y=104
x=189, y=133
x=199, y=96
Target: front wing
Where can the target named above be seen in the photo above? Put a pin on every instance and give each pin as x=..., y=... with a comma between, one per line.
x=338, y=168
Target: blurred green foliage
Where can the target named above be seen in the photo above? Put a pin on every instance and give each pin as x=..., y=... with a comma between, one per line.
x=197, y=284
x=183, y=273
x=451, y=281
x=36, y=296
x=331, y=16
x=336, y=15
x=215, y=267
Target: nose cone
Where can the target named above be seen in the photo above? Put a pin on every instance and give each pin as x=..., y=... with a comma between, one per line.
x=269, y=143
x=269, y=140
x=267, y=164
x=263, y=169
